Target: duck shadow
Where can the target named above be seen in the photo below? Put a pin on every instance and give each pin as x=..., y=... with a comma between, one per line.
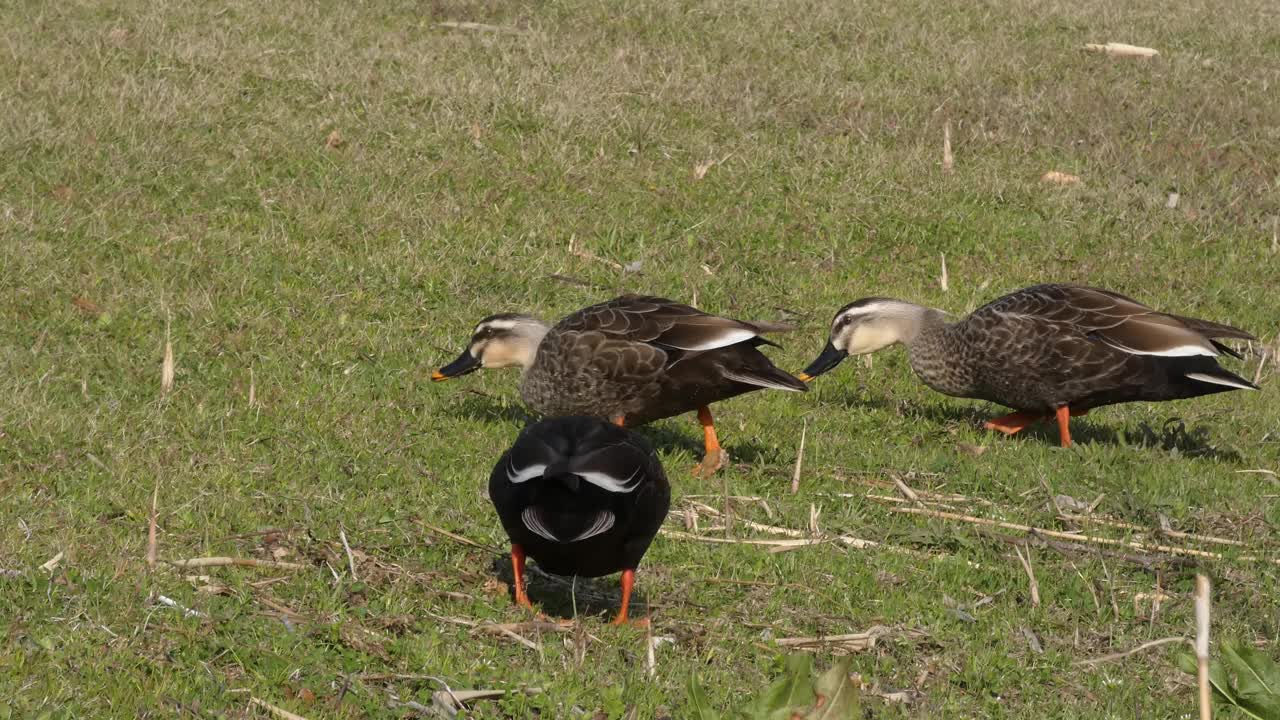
x=476, y=405
x=569, y=598
x=740, y=448
x=1173, y=435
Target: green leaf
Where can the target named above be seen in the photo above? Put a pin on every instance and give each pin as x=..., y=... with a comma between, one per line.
x=1187, y=664
x=1221, y=682
x=699, y=708
x=792, y=690
x=1258, y=680
x=837, y=696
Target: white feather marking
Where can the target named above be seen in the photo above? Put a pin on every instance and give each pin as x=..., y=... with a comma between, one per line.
x=608, y=482
x=524, y=474
x=531, y=520
x=759, y=382
x=603, y=522
x=723, y=338
x=1216, y=380
x=496, y=325
x=1175, y=351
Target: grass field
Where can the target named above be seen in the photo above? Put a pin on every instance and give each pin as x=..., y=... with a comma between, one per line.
x=314, y=203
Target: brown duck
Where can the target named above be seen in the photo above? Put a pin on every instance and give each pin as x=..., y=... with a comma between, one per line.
x=1045, y=351
x=633, y=359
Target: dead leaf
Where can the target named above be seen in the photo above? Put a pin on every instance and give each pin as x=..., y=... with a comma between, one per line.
x=700, y=170
x=118, y=36
x=476, y=132
x=971, y=450
x=1060, y=178
x=86, y=306
x=63, y=193
x=334, y=141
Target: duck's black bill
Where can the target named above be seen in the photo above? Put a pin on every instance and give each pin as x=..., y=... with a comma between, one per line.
x=829, y=358
x=465, y=363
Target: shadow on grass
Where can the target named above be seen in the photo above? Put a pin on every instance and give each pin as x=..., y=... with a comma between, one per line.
x=476, y=405
x=1172, y=436
x=557, y=596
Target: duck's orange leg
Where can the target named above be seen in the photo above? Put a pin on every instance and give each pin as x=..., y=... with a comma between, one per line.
x=619, y=420
x=517, y=569
x=628, y=582
x=1013, y=422
x=1064, y=417
x=714, y=457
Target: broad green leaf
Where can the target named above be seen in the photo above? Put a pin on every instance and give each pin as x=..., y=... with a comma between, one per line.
x=793, y=690
x=837, y=697
x=1221, y=682
x=1187, y=663
x=699, y=708
x=1258, y=688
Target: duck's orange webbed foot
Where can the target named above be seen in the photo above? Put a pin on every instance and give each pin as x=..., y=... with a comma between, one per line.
x=1013, y=422
x=714, y=456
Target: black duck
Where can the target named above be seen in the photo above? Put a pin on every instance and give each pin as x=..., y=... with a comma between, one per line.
x=633, y=359
x=581, y=497
x=1045, y=351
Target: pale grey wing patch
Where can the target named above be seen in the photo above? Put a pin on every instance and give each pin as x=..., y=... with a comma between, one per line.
x=602, y=523
x=532, y=519
x=758, y=381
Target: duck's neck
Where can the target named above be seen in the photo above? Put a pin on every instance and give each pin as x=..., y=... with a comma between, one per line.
x=531, y=339
x=918, y=323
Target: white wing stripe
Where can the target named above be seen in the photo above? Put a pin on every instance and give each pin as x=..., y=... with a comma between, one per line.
x=531, y=520
x=721, y=339
x=758, y=382
x=608, y=482
x=603, y=522
x=1215, y=380
x=524, y=474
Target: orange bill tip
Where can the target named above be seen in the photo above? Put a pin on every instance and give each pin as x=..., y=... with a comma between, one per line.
x=804, y=377
x=437, y=376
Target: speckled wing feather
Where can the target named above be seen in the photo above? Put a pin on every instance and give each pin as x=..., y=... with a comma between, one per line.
x=1111, y=318
x=661, y=322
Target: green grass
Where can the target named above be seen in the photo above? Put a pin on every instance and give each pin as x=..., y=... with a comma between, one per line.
x=165, y=170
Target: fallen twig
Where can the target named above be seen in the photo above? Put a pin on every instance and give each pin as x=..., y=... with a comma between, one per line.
x=479, y=27
x=1031, y=574
x=1202, y=645
x=1131, y=651
x=351, y=559
x=795, y=475
x=277, y=711
x=1077, y=537
x=453, y=536
x=238, y=562
x=456, y=698
x=1116, y=49
x=52, y=563
x=186, y=611
x=152, y=542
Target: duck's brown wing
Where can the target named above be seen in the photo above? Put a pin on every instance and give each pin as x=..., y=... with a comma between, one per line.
x=664, y=323
x=1113, y=319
